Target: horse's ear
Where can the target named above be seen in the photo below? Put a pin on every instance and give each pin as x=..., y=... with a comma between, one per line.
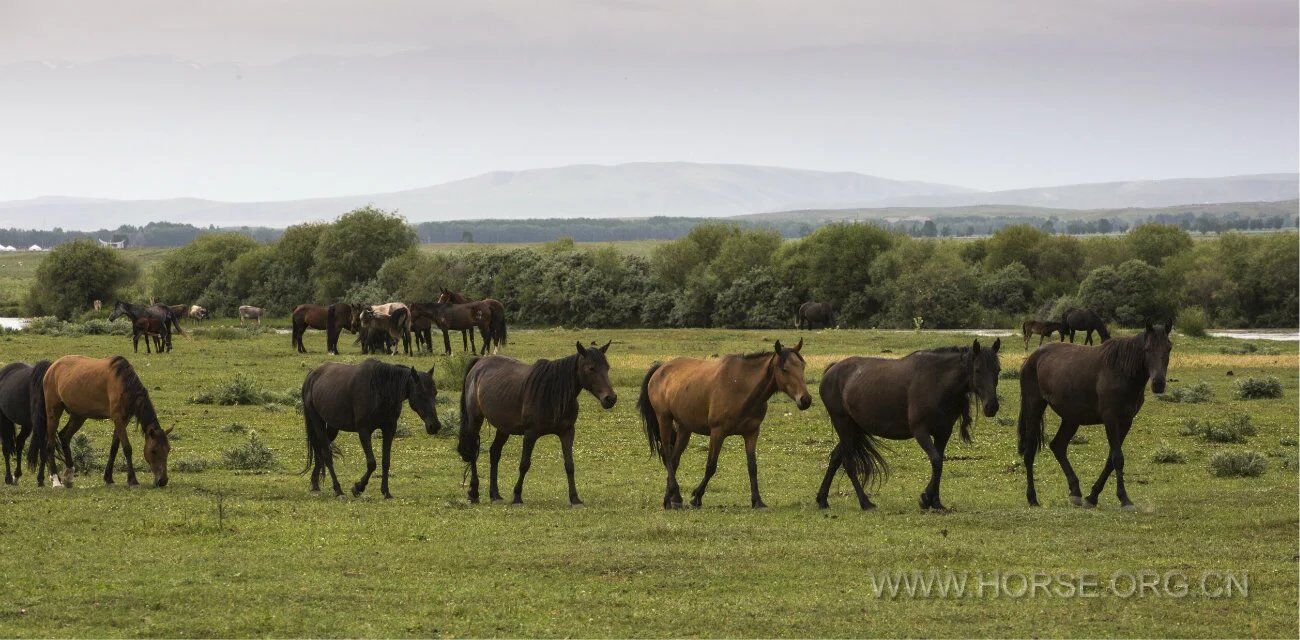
x=430, y=371
x=997, y=344
x=1169, y=325
x=975, y=347
x=778, y=346
x=606, y=347
x=168, y=430
x=582, y=351
x=798, y=346
x=1149, y=328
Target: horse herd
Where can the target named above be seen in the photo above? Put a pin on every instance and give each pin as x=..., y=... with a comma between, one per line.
x=381, y=328
x=920, y=396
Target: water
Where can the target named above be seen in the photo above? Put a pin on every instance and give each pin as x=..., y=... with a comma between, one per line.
x=13, y=324
x=1278, y=335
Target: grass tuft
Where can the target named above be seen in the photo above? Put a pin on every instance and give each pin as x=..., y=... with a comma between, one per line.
x=1238, y=463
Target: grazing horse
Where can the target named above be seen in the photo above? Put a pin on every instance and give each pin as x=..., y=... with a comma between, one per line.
x=396, y=326
x=152, y=320
x=195, y=312
x=1084, y=320
x=719, y=398
x=98, y=389
x=919, y=396
x=811, y=314
x=361, y=398
x=495, y=310
x=531, y=401
x=251, y=313
x=1042, y=329
x=1105, y=385
x=19, y=384
x=331, y=319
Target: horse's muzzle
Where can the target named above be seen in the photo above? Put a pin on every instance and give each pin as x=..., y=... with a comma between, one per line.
x=805, y=401
x=1158, y=385
x=991, y=408
x=432, y=427
x=609, y=400
x=160, y=482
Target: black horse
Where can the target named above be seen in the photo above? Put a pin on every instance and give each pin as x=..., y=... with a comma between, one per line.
x=919, y=396
x=361, y=398
x=1083, y=320
x=161, y=320
x=812, y=314
x=532, y=401
x=17, y=381
x=1105, y=385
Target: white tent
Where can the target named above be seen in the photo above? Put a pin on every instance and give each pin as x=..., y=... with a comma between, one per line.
x=35, y=247
x=5, y=247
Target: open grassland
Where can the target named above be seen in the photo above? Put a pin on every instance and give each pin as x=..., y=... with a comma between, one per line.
x=237, y=553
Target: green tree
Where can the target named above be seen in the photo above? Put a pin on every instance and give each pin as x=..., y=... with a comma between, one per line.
x=354, y=247
x=1008, y=289
x=745, y=252
x=74, y=275
x=1133, y=294
x=1154, y=243
x=1016, y=243
x=183, y=274
x=830, y=265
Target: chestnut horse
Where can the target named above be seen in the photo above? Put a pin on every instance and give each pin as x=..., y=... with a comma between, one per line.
x=98, y=389
x=719, y=398
x=496, y=313
x=531, y=400
x=1085, y=385
x=331, y=319
x=1031, y=328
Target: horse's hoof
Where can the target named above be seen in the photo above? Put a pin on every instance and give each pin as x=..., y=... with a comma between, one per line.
x=1128, y=507
x=868, y=506
x=314, y=492
x=1076, y=500
x=517, y=503
x=497, y=499
x=577, y=505
x=822, y=504
x=1089, y=503
x=356, y=491
x=9, y=480
x=473, y=498
x=388, y=496
x=759, y=507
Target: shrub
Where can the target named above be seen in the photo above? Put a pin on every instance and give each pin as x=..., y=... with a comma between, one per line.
x=1235, y=427
x=1192, y=427
x=451, y=372
x=1287, y=441
x=83, y=454
x=1257, y=388
x=1079, y=438
x=249, y=456
x=191, y=465
x=1010, y=374
x=1165, y=454
x=235, y=427
x=242, y=390
x=75, y=273
x=1194, y=394
x=1237, y=464
x=231, y=333
x=1191, y=321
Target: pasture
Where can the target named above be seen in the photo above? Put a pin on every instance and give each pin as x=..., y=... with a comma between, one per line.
x=224, y=552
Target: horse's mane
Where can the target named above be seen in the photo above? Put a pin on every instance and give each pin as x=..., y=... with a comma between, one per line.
x=968, y=396
x=137, y=396
x=1126, y=355
x=551, y=388
x=387, y=383
x=767, y=354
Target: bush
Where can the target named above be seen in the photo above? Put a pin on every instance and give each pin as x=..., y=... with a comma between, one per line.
x=191, y=465
x=1165, y=454
x=1011, y=373
x=1258, y=388
x=83, y=454
x=249, y=456
x=1287, y=441
x=1192, y=322
x=235, y=427
x=1194, y=394
x=74, y=274
x=1234, y=428
x=451, y=373
x=1238, y=464
x=243, y=390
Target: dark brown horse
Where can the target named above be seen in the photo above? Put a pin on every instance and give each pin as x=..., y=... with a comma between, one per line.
x=1031, y=328
x=1103, y=385
x=452, y=317
x=150, y=328
x=718, y=398
x=394, y=326
x=21, y=397
x=495, y=310
x=531, y=401
x=1084, y=320
x=97, y=389
x=331, y=319
x=159, y=322
x=919, y=397
x=811, y=314
x=362, y=398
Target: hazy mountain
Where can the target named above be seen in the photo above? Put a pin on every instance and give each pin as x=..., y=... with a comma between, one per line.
x=1114, y=195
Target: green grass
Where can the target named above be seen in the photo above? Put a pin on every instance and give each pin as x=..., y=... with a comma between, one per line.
x=221, y=552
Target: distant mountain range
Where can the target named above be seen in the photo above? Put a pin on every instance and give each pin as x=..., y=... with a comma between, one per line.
x=640, y=190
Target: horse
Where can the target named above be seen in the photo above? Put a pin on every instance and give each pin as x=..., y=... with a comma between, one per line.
x=375, y=340
x=157, y=317
x=453, y=317
x=19, y=384
x=531, y=401
x=150, y=328
x=814, y=313
x=1084, y=320
x=169, y=316
x=99, y=389
x=197, y=313
x=250, y=313
x=422, y=321
x=361, y=398
x=1042, y=329
x=1105, y=385
x=332, y=319
x=396, y=325
x=719, y=398
x=496, y=314
x=918, y=396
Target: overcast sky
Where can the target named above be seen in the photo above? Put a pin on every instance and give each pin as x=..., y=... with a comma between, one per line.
x=272, y=100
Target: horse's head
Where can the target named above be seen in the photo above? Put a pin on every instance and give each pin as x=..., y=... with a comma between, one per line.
x=593, y=374
x=1155, y=353
x=422, y=396
x=356, y=316
x=119, y=309
x=789, y=374
x=444, y=295
x=156, y=447
x=985, y=368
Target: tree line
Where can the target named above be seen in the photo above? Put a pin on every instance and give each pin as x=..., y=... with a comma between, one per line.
x=719, y=274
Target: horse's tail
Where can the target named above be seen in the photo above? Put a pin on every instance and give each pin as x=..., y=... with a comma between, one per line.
x=648, y=416
x=467, y=444
x=1029, y=434
x=862, y=456
x=499, y=324
x=36, y=396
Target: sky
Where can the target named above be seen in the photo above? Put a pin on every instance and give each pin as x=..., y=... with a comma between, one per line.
x=274, y=100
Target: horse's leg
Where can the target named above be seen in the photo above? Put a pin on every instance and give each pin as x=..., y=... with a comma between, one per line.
x=1033, y=408
x=64, y=443
x=715, y=447
x=525, y=461
x=751, y=460
x=673, y=459
x=327, y=453
x=446, y=341
x=112, y=459
x=472, y=347
x=1121, y=432
x=930, y=497
x=566, y=445
x=388, y=434
x=53, y=413
x=360, y=486
x=18, y=451
x=119, y=432
x=494, y=460
x=1112, y=439
x=1060, y=445
x=837, y=458
x=8, y=428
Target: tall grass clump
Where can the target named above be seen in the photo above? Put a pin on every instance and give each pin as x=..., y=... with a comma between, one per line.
x=1165, y=454
x=1258, y=388
x=252, y=455
x=1238, y=463
x=1233, y=428
x=1192, y=322
x=451, y=371
x=1192, y=394
x=242, y=390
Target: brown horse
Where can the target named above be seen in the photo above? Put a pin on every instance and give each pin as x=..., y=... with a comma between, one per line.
x=98, y=389
x=811, y=314
x=719, y=398
x=395, y=325
x=150, y=328
x=451, y=317
x=1085, y=320
x=531, y=401
x=331, y=319
x=1031, y=328
x=1087, y=385
x=495, y=310
x=919, y=396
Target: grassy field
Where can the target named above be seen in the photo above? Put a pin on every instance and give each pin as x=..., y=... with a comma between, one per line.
x=238, y=553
